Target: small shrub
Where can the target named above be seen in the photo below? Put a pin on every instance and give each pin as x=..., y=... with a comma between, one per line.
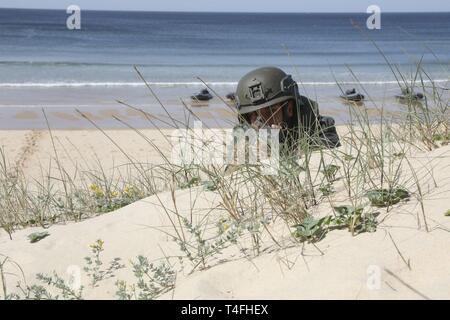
x=199, y=250
x=327, y=190
x=54, y=287
x=42, y=292
x=107, y=201
x=152, y=281
x=193, y=182
x=312, y=230
x=354, y=219
x=330, y=172
x=94, y=265
x=348, y=157
x=441, y=137
x=387, y=197
x=37, y=236
x=210, y=185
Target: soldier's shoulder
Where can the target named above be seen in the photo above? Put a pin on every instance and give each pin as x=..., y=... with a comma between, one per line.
x=308, y=104
x=307, y=101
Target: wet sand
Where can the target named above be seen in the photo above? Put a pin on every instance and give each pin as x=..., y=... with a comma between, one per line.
x=21, y=108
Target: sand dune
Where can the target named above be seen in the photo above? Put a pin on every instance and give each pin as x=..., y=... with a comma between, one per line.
x=400, y=260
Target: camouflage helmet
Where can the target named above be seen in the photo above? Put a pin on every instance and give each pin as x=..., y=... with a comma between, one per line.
x=264, y=87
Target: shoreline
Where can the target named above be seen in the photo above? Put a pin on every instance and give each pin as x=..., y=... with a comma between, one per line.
x=20, y=108
x=154, y=116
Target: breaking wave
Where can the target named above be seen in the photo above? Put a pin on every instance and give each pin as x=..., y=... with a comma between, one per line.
x=184, y=84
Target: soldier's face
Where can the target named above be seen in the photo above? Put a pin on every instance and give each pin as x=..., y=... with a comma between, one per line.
x=272, y=116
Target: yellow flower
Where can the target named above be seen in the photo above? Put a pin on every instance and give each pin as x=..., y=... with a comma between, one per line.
x=96, y=190
x=97, y=245
x=114, y=194
x=128, y=189
x=224, y=224
x=131, y=191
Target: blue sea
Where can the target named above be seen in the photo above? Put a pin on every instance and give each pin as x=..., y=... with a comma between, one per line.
x=44, y=63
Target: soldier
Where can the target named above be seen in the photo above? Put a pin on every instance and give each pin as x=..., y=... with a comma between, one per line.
x=269, y=98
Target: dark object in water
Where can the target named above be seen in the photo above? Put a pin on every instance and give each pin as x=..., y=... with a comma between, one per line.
x=409, y=95
x=352, y=95
x=203, y=95
x=231, y=96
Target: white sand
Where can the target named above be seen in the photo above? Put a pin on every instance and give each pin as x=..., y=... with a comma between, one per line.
x=343, y=271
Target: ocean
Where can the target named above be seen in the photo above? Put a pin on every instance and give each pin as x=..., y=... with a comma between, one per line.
x=42, y=63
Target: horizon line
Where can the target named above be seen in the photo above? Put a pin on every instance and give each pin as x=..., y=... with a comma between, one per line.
x=193, y=11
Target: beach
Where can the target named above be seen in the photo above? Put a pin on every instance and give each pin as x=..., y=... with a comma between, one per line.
x=33, y=150
x=95, y=202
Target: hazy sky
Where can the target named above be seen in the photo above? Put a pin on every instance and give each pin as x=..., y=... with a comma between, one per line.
x=236, y=5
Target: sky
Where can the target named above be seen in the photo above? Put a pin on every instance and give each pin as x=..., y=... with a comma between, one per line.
x=237, y=5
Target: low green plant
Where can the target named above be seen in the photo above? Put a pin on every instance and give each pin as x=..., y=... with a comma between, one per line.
x=52, y=287
x=327, y=190
x=192, y=182
x=110, y=200
x=94, y=265
x=312, y=230
x=387, y=197
x=345, y=213
x=152, y=281
x=348, y=157
x=37, y=236
x=354, y=219
x=200, y=249
x=447, y=213
x=210, y=185
x=330, y=172
x=441, y=137
x=55, y=283
x=64, y=289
